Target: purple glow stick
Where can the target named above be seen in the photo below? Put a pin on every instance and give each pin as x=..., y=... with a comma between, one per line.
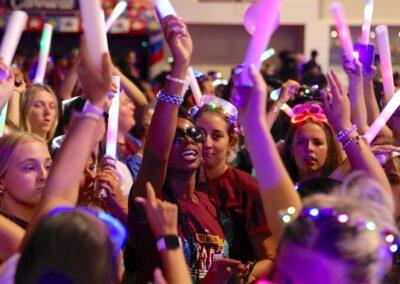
x=164, y=8
x=342, y=29
x=382, y=37
x=366, y=27
x=15, y=26
x=260, y=39
x=94, y=28
x=383, y=117
x=112, y=127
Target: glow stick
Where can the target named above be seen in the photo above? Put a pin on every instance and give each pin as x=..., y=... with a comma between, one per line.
x=164, y=8
x=383, y=117
x=342, y=29
x=382, y=37
x=185, y=86
x=112, y=128
x=261, y=37
x=366, y=27
x=15, y=26
x=3, y=117
x=267, y=54
x=285, y=107
x=94, y=28
x=194, y=85
x=45, y=44
x=118, y=10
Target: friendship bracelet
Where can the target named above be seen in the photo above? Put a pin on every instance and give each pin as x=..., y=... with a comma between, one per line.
x=343, y=133
x=355, y=139
x=171, y=99
x=175, y=80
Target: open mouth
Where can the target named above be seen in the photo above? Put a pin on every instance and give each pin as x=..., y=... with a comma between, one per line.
x=189, y=155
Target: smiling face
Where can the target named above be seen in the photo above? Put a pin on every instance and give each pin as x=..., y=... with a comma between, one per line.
x=216, y=138
x=26, y=175
x=310, y=149
x=185, y=154
x=43, y=113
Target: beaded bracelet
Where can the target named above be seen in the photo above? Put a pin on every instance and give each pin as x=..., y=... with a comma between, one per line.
x=171, y=99
x=175, y=80
x=343, y=133
x=355, y=139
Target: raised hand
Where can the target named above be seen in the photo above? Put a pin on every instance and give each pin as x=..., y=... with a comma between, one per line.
x=288, y=89
x=161, y=215
x=352, y=69
x=95, y=82
x=7, y=85
x=336, y=104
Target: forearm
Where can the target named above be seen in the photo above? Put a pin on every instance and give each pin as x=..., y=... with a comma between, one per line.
x=133, y=92
x=277, y=189
x=13, y=112
x=273, y=113
x=68, y=84
x=11, y=236
x=175, y=267
x=357, y=104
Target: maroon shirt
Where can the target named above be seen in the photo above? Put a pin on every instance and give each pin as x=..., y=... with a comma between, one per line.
x=237, y=194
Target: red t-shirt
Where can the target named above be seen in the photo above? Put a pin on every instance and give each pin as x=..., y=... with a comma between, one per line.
x=202, y=219
x=237, y=194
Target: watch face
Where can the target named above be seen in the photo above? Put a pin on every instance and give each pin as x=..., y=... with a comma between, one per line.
x=172, y=241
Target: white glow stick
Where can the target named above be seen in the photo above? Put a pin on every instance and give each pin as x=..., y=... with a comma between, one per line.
x=383, y=117
x=164, y=7
x=366, y=27
x=194, y=86
x=3, y=117
x=382, y=37
x=118, y=10
x=342, y=29
x=45, y=44
x=287, y=110
x=15, y=26
x=267, y=54
x=94, y=29
x=185, y=86
x=259, y=41
x=112, y=127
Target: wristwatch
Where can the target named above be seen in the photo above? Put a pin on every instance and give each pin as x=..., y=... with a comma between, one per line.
x=169, y=242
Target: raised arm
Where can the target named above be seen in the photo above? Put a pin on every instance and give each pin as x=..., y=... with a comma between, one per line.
x=277, y=189
x=6, y=86
x=356, y=95
x=337, y=110
x=68, y=166
x=11, y=236
x=67, y=86
x=163, y=123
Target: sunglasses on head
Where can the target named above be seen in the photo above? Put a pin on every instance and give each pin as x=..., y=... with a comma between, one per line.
x=194, y=133
x=302, y=112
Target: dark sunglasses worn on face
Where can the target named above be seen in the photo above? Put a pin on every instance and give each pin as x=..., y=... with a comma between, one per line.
x=194, y=133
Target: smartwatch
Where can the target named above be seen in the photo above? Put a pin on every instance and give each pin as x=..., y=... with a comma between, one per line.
x=169, y=242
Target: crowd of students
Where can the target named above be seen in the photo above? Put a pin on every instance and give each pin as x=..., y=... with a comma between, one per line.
x=174, y=206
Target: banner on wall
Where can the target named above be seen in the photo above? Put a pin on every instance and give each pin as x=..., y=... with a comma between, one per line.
x=61, y=5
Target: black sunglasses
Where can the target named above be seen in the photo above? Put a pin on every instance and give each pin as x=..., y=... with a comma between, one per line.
x=193, y=132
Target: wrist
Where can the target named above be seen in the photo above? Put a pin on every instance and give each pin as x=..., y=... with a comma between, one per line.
x=178, y=70
x=169, y=242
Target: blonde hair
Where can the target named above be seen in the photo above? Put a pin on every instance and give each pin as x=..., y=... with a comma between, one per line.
x=362, y=199
x=26, y=103
x=9, y=145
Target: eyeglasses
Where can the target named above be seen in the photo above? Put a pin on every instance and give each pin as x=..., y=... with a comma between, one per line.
x=302, y=112
x=117, y=231
x=193, y=132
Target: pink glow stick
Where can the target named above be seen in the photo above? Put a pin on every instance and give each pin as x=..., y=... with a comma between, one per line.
x=366, y=27
x=382, y=37
x=45, y=44
x=342, y=29
x=262, y=34
x=112, y=128
x=194, y=86
x=94, y=28
x=16, y=24
x=164, y=8
x=383, y=117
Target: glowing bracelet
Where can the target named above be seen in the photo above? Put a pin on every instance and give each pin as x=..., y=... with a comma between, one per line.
x=45, y=44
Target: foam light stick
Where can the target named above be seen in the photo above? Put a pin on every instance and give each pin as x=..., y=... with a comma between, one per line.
x=267, y=54
x=164, y=8
x=342, y=29
x=15, y=26
x=260, y=39
x=45, y=44
x=94, y=29
x=194, y=85
x=383, y=117
x=118, y=10
x=382, y=37
x=112, y=127
x=366, y=27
